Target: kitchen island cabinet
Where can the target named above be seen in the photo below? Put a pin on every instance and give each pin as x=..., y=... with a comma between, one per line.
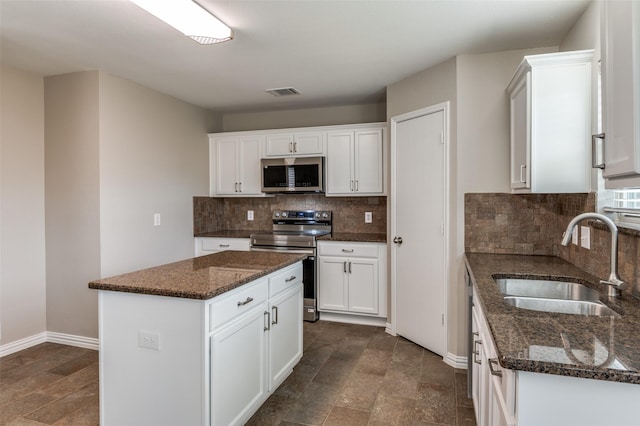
x=198, y=342
x=541, y=368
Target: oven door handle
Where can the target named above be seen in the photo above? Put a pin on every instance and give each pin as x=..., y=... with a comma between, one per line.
x=283, y=250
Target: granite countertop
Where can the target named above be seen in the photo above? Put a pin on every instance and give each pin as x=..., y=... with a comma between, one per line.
x=199, y=278
x=602, y=348
x=335, y=236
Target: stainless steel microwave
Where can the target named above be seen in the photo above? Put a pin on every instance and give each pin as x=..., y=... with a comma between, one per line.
x=292, y=174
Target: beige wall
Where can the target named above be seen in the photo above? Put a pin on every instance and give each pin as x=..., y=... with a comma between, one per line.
x=72, y=202
x=22, y=226
x=304, y=117
x=153, y=159
x=116, y=154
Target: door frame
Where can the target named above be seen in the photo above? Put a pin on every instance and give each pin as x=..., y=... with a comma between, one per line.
x=444, y=107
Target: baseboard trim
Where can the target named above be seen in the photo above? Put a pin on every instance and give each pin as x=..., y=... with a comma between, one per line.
x=73, y=340
x=22, y=344
x=353, y=319
x=52, y=337
x=389, y=329
x=456, y=361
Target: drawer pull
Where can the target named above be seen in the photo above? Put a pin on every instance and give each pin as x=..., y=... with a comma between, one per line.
x=247, y=300
x=291, y=278
x=223, y=245
x=495, y=372
x=347, y=250
x=476, y=351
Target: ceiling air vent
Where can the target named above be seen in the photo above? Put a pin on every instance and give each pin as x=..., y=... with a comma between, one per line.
x=283, y=91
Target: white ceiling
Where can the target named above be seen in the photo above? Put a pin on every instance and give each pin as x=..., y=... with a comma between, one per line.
x=333, y=52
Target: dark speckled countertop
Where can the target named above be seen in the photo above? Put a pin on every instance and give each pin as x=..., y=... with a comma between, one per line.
x=592, y=347
x=336, y=236
x=199, y=278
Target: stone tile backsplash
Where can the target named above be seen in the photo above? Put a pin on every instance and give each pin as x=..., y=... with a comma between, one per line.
x=534, y=223
x=213, y=214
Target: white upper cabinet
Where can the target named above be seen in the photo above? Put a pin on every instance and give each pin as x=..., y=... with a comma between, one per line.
x=620, y=44
x=355, y=162
x=235, y=165
x=294, y=144
x=550, y=99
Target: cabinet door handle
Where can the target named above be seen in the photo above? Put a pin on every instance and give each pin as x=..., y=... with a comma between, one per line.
x=223, y=245
x=344, y=266
x=290, y=146
x=267, y=320
x=356, y=185
x=291, y=278
x=274, y=312
x=397, y=240
x=347, y=250
x=523, y=178
x=597, y=151
x=351, y=187
x=239, y=186
x=495, y=372
x=349, y=267
x=476, y=351
x=244, y=302
x=295, y=147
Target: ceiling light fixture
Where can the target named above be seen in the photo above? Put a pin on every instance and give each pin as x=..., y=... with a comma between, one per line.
x=189, y=18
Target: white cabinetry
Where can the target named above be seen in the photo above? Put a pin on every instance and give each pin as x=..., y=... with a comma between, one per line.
x=209, y=245
x=620, y=42
x=493, y=390
x=352, y=278
x=295, y=143
x=550, y=98
x=235, y=165
x=355, y=162
x=217, y=360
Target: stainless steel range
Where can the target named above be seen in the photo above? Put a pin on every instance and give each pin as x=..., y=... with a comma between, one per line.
x=296, y=231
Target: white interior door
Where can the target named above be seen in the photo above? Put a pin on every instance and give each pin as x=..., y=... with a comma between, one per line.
x=419, y=200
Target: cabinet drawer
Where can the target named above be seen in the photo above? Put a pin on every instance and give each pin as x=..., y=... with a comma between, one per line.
x=237, y=302
x=348, y=249
x=221, y=244
x=285, y=279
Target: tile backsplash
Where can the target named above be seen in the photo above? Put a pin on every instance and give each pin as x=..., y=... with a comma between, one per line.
x=533, y=224
x=214, y=214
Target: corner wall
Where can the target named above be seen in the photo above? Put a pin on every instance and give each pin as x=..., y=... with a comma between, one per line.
x=22, y=208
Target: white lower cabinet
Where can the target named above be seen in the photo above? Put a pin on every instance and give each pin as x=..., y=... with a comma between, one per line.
x=493, y=390
x=238, y=368
x=285, y=342
x=351, y=278
x=209, y=245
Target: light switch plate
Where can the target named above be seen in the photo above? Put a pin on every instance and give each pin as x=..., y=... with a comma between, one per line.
x=585, y=237
x=249, y=214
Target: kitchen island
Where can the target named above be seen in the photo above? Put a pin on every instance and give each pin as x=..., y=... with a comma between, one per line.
x=198, y=342
x=550, y=368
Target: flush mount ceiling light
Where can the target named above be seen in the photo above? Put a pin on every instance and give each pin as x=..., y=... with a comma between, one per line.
x=189, y=18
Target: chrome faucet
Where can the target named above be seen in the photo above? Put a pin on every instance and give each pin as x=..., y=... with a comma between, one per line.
x=614, y=283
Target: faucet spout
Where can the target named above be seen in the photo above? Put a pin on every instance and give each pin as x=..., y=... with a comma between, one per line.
x=614, y=283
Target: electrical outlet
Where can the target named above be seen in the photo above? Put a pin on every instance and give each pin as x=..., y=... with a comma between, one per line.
x=574, y=236
x=585, y=237
x=249, y=214
x=149, y=340
x=156, y=219
x=368, y=217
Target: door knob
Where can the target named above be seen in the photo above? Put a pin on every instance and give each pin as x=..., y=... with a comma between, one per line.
x=397, y=240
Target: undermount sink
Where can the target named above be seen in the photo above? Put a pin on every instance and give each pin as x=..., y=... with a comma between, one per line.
x=562, y=306
x=553, y=296
x=546, y=289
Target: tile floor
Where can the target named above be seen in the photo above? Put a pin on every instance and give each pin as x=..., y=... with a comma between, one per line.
x=349, y=375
